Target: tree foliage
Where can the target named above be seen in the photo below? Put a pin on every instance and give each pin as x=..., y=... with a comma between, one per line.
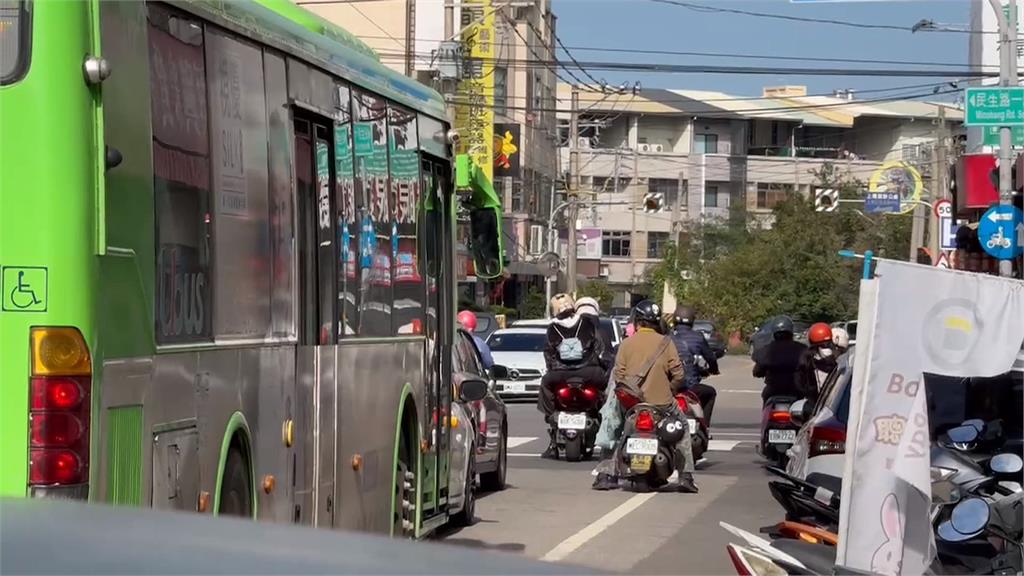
x=598, y=290
x=739, y=273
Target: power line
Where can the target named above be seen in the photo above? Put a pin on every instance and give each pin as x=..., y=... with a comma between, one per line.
x=861, y=25
x=726, y=69
x=526, y=43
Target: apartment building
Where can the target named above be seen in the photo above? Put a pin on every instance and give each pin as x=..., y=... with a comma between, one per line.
x=711, y=154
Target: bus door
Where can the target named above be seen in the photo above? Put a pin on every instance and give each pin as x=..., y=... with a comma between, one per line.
x=316, y=353
x=437, y=256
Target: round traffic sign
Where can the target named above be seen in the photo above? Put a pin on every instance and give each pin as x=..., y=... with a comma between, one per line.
x=943, y=209
x=1000, y=232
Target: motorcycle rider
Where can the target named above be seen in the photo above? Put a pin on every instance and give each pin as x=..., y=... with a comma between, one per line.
x=574, y=349
x=779, y=362
x=818, y=361
x=658, y=387
x=468, y=321
x=693, y=346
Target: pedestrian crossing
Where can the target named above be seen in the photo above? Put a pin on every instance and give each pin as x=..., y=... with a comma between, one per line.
x=521, y=441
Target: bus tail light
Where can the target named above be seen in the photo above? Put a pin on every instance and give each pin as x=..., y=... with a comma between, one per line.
x=59, y=413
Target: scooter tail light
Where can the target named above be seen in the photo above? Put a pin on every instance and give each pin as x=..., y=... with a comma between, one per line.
x=750, y=563
x=645, y=421
x=681, y=401
x=779, y=416
x=565, y=392
x=589, y=393
x=626, y=400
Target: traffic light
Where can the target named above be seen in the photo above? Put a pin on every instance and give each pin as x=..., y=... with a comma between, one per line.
x=653, y=202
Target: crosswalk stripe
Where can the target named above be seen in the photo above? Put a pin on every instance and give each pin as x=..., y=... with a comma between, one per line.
x=515, y=441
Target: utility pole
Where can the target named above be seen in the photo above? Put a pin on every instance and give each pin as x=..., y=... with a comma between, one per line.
x=573, y=189
x=637, y=201
x=940, y=185
x=677, y=212
x=1007, y=77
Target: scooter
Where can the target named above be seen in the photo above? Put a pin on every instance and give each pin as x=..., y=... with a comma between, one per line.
x=690, y=405
x=648, y=443
x=577, y=419
x=778, y=432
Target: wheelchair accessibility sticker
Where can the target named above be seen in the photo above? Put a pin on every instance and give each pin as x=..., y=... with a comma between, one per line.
x=24, y=289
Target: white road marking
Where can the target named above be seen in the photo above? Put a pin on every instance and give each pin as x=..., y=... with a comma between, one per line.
x=739, y=391
x=572, y=543
x=722, y=445
x=515, y=441
x=746, y=434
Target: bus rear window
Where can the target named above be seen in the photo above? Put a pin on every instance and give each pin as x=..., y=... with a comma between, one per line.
x=14, y=40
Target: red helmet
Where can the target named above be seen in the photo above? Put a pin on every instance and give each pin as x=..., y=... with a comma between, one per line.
x=468, y=320
x=820, y=333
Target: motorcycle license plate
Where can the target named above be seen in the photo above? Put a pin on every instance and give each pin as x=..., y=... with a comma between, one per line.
x=639, y=463
x=781, y=436
x=693, y=425
x=568, y=421
x=513, y=387
x=643, y=446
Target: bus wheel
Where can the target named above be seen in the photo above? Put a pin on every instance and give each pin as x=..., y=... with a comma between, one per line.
x=404, y=525
x=236, y=487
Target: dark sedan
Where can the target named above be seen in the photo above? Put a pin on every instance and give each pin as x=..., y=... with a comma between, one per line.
x=490, y=418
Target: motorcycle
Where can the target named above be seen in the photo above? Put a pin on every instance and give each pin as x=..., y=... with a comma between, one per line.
x=648, y=440
x=577, y=419
x=699, y=434
x=778, y=432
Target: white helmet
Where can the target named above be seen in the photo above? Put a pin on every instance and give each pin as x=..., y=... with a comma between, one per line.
x=588, y=305
x=841, y=338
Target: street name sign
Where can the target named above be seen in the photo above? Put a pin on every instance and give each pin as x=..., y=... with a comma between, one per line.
x=995, y=106
x=991, y=136
x=882, y=202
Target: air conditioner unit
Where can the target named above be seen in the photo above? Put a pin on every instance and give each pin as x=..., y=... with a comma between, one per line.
x=603, y=271
x=536, y=240
x=644, y=147
x=657, y=147
x=583, y=142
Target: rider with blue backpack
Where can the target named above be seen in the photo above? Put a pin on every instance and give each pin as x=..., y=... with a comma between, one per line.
x=574, y=349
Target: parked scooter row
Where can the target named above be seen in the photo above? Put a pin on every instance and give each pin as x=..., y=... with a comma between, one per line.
x=977, y=512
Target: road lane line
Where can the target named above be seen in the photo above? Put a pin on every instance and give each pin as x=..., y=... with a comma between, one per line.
x=523, y=455
x=722, y=445
x=739, y=391
x=572, y=543
x=516, y=441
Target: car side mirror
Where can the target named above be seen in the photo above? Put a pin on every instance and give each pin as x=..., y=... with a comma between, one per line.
x=472, y=389
x=499, y=372
x=798, y=412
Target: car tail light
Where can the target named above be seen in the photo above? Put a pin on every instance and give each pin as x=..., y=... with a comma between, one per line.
x=644, y=421
x=780, y=416
x=681, y=401
x=59, y=413
x=827, y=440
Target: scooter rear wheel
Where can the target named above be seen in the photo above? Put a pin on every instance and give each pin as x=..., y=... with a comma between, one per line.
x=574, y=448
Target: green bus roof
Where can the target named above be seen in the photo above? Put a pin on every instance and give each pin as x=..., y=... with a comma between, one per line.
x=308, y=34
x=318, y=25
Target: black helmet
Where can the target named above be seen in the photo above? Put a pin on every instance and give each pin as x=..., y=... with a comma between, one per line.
x=686, y=315
x=782, y=325
x=647, y=312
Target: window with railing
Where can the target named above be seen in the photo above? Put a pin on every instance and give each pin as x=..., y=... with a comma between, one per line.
x=770, y=194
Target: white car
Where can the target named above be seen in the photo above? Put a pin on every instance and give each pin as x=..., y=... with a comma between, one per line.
x=521, y=351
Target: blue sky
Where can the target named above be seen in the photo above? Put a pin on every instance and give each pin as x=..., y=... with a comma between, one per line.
x=642, y=24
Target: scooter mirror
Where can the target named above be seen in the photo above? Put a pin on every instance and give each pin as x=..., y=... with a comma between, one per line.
x=796, y=412
x=970, y=517
x=962, y=434
x=977, y=423
x=1006, y=464
x=946, y=532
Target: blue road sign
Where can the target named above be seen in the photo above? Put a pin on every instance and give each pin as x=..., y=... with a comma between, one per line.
x=878, y=202
x=1001, y=231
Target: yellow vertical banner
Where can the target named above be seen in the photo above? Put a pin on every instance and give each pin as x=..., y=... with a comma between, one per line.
x=474, y=110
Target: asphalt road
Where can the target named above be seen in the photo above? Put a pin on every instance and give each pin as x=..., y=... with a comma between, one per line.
x=549, y=511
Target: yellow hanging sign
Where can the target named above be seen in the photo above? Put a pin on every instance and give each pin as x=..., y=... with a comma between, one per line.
x=474, y=110
x=899, y=178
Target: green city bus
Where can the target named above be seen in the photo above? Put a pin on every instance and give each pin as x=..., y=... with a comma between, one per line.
x=227, y=240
